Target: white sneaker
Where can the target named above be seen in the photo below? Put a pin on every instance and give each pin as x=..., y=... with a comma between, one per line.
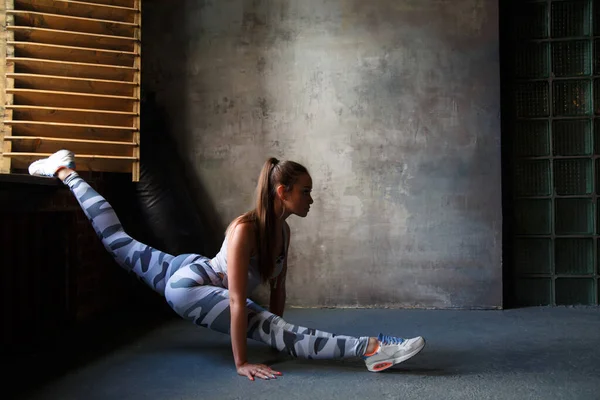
x=393, y=350
x=49, y=166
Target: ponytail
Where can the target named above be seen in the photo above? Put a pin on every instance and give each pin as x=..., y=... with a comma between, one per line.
x=265, y=221
x=272, y=174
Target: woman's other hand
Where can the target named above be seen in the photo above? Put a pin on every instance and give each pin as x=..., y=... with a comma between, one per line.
x=257, y=370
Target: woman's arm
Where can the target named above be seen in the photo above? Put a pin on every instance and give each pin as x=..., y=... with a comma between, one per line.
x=239, y=249
x=277, y=300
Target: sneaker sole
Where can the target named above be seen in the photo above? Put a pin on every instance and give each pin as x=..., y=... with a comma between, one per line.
x=383, y=365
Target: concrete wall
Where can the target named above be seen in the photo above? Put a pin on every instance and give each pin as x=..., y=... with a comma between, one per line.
x=393, y=105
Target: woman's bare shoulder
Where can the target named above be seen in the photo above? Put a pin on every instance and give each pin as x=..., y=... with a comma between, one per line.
x=242, y=232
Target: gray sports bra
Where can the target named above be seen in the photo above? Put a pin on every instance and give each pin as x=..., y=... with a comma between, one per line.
x=219, y=265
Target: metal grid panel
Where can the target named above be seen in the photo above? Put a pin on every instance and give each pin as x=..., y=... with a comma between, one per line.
x=597, y=137
x=596, y=58
x=570, y=18
x=596, y=18
x=571, y=291
x=534, y=256
x=532, y=60
x=531, y=138
x=574, y=256
x=531, y=22
x=555, y=80
x=532, y=99
x=533, y=178
x=573, y=217
x=572, y=137
x=597, y=96
x=597, y=173
x=533, y=217
x=534, y=292
x=571, y=58
x=572, y=98
x=573, y=176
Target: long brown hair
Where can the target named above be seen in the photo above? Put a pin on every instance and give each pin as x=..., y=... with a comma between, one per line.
x=273, y=174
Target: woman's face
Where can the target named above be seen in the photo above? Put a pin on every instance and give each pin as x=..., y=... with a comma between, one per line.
x=298, y=199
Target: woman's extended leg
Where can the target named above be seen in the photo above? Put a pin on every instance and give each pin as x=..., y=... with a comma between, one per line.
x=208, y=306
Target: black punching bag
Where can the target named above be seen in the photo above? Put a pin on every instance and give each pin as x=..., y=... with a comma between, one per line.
x=174, y=221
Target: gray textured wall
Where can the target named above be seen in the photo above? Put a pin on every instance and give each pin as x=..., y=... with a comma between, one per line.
x=393, y=105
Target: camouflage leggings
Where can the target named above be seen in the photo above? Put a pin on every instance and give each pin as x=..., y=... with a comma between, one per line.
x=196, y=292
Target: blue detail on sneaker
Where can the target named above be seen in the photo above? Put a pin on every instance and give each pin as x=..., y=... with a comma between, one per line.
x=386, y=339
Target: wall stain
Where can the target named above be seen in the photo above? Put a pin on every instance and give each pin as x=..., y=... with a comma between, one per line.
x=261, y=64
x=263, y=108
x=223, y=106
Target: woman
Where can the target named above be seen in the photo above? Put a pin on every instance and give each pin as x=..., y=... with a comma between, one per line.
x=213, y=293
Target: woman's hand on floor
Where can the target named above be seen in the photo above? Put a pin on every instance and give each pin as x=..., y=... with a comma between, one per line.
x=257, y=370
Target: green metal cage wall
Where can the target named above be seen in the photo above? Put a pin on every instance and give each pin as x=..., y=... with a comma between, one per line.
x=554, y=130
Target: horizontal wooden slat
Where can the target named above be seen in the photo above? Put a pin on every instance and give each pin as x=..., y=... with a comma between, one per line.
x=37, y=144
x=67, y=140
x=69, y=125
x=84, y=162
x=78, y=9
x=70, y=84
x=74, y=24
x=53, y=36
x=70, y=53
x=72, y=115
x=81, y=156
x=76, y=70
x=120, y=3
x=51, y=98
x=22, y=128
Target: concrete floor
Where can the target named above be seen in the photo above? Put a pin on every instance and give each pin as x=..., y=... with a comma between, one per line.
x=532, y=353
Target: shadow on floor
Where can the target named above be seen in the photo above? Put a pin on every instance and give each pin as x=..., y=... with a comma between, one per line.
x=74, y=348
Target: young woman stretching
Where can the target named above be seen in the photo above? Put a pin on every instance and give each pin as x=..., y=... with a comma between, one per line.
x=213, y=293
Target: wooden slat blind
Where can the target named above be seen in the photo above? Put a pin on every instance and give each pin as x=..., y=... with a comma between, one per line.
x=73, y=81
